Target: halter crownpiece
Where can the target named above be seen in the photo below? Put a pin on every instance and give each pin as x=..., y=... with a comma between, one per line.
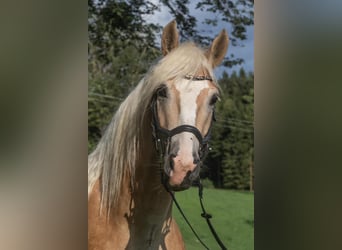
x=198, y=78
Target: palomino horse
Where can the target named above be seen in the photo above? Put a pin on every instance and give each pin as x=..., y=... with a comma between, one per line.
x=129, y=205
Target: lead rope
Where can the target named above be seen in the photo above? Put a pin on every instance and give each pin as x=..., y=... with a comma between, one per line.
x=207, y=217
x=186, y=220
x=160, y=151
x=204, y=214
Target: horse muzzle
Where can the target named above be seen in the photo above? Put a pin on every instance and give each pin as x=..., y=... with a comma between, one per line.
x=179, y=175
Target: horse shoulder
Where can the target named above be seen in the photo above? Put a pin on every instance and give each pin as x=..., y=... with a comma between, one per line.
x=103, y=234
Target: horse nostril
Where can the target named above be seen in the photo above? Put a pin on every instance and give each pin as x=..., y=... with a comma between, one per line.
x=196, y=160
x=172, y=163
x=192, y=176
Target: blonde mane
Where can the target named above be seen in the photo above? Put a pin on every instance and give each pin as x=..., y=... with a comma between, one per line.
x=120, y=147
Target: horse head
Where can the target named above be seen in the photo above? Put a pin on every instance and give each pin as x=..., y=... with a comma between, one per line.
x=183, y=110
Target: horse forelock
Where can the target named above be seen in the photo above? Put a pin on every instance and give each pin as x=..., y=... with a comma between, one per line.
x=187, y=59
x=118, y=150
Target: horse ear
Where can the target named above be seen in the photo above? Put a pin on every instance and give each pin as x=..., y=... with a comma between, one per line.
x=170, y=37
x=218, y=48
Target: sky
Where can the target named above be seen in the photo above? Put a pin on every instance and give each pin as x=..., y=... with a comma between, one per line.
x=246, y=52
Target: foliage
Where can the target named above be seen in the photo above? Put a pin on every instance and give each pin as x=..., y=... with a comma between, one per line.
x=120, y=49
x=123, y=20
x=206, y=183
x=115, y=25
x=238, y=13
x=231, y=158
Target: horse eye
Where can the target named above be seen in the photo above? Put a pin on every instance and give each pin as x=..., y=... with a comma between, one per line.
x=213, y=100
x=162, y=92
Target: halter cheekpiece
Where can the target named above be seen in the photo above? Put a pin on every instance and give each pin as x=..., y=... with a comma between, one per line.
x=162, y=136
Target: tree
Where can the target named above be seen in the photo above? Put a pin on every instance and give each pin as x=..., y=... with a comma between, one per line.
x=238, y=13
x=124, y=20
x=120, y=49
x=232, y=141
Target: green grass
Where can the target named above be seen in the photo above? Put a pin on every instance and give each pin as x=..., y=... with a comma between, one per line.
x=233, y=218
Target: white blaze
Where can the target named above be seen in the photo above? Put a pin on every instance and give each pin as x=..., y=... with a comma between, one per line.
x=189, y=91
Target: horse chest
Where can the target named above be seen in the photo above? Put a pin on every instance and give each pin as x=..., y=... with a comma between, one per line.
x=148, y=222
x=145, y=237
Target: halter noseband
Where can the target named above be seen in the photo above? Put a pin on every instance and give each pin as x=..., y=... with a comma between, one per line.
x=162, y=136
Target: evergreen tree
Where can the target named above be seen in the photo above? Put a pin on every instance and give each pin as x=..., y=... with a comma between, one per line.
x=229, y=163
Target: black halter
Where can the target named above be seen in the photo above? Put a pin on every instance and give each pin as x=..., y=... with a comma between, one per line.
x=162, y=136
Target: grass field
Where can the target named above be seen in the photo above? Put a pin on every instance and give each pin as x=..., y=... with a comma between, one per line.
x=233, y=218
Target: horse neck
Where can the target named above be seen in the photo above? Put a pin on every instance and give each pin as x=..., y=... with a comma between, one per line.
x=147, y=187
x=150, y=206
